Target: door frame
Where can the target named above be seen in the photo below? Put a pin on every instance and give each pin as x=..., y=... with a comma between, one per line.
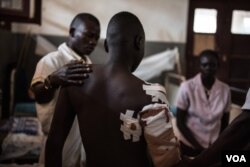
x=224, y=16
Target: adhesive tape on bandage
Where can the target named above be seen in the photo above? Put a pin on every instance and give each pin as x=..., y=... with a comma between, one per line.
x=154, y=88
x=154, y=106
x=157, y=92
x=156, y=124
x=131, y=126
x=154, y=118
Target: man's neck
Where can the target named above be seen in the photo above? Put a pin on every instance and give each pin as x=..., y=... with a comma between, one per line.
x=120, y=61
x=118, y=67
x=207, y=82
x=71, y=47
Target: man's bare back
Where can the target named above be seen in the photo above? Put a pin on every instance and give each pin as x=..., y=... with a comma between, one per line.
x=120, y=116
x=99, y=104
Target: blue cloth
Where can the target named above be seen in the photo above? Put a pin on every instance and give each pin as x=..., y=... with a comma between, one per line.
x=25, y=109
x=25, y=125
x=173, y=109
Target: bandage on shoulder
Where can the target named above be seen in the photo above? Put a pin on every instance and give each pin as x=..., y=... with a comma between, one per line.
x=158, y=132
x=155, y=118
x=155, y=87
x=156, y=91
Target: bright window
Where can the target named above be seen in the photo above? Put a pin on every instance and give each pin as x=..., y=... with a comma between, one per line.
x=240, y=22
x=205, y=20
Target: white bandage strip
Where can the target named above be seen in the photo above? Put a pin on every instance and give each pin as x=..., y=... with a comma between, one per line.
x=131, y=126
x=157, y=92
x=154, y=87
x=154, y=106
x=157, y=124
x=157, y=96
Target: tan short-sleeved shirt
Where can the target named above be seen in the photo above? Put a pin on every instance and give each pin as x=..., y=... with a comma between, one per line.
x=47, y=65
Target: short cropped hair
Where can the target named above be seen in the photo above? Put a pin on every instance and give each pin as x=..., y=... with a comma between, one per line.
x=124, y=24
x=82, y=17
x=208, y=53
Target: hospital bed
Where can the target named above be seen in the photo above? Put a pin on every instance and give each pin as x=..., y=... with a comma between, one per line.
x=21, y=135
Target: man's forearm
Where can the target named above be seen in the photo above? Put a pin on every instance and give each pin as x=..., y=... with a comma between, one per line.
x=189, y=136
x=42, y=93
x=224, y=121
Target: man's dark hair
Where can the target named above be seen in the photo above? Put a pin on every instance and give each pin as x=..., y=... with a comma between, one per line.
x=208, y=53
x=122, y=25
x=82, y=17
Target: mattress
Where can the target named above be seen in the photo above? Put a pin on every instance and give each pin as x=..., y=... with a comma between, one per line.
x=21, y=139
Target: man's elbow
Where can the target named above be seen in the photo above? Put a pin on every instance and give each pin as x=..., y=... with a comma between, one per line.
x=41, y=95
x=40, y=99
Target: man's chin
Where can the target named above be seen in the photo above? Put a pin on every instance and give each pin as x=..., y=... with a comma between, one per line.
x=88, y=52
x=209, y=77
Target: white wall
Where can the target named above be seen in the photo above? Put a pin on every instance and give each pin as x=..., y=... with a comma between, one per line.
x=163, y=20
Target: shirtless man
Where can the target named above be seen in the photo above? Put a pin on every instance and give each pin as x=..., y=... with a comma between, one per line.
x=120, y=116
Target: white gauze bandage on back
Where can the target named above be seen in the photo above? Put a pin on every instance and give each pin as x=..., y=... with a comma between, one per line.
x=130, y=126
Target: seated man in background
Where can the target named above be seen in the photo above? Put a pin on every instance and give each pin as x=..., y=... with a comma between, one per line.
x=62, y=68
x=203, y=105
x=236, y=137
x=119, y=115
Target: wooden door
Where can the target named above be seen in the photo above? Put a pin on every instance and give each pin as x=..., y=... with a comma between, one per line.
x=232, y=45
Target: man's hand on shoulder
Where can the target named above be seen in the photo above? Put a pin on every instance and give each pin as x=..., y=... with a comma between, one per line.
x=73, y=73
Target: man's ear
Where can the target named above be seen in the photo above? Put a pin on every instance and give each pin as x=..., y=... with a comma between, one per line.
x=138, y=42
x=106, y=46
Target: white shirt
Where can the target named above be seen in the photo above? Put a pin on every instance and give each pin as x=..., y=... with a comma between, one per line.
x=204, y=114
x=47, y=65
